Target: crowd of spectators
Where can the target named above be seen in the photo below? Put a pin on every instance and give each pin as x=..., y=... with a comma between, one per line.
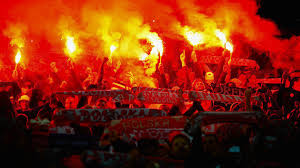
x=28, y=105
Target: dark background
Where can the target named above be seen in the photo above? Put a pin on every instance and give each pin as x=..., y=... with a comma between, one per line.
x=285, y=13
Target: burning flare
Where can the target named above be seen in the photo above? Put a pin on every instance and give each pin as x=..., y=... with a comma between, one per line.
x=157, y=43
x=70, y=46
x=154, y=57
x=18, y=57
x=157, y=49
x=229, y=47
x=221, y=36
x=195, y=38
x=143, y=56
x=223, y=39
x=112, y=49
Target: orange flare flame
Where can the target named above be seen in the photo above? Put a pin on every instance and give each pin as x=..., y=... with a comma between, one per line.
x=229, y=47
x=70, y=45
x=18, y=57
x=195, y=38
x=112, y=49
x=143, y=57
x=221, y=36
x=157, y=43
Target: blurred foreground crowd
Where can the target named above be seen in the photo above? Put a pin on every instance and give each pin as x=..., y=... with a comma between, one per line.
x=29, y=107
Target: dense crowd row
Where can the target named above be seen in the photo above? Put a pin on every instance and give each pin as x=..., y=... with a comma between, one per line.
x=29, y=110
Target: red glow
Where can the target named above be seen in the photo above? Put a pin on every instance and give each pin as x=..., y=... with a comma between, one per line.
x=100, y=28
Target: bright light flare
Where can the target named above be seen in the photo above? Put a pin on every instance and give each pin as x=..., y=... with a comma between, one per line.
x=157, y=43
x=143, y=57
x=157, y=49
x=195, y=38
x=229, y=47
x=18, y=57
x=112, y=48
x=70, y=44
x=221, y=36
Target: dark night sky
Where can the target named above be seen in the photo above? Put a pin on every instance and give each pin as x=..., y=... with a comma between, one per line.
x=285, y=13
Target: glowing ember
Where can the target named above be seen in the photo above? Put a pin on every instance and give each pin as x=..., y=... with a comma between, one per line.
x=70, y=44
x=18, y=57
x=194, y=38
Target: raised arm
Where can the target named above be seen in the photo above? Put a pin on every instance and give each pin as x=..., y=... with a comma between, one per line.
x=101, y=72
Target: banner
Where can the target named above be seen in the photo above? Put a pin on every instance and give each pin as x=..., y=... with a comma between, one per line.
x=159, y=134
x=165, y=96
x=136, y=90
x=171, y=97
x=223, y=89
x=150, y=127
x=209, y=120
x=234, y=61
x=154, y=97
x=198, y=96
x=94, y=116
x=222, y=93
x=117, y=95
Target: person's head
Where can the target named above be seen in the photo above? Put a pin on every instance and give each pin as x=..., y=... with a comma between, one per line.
x=210, y=144
x=236, y=82
x=179, y=145
x=252, y=81
x=88, y=71
x=106, y=84
x=70, y=103
x=53, y=65
x=21, y=120
x=165, y=107
x=230, y=84
x=198, y=85
x=176, y=88
x=7, y=109
x=24, y=102
x=101, y=103
x=12, y=100
x=243, y=80
x=26, y=87
x=148, y=147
